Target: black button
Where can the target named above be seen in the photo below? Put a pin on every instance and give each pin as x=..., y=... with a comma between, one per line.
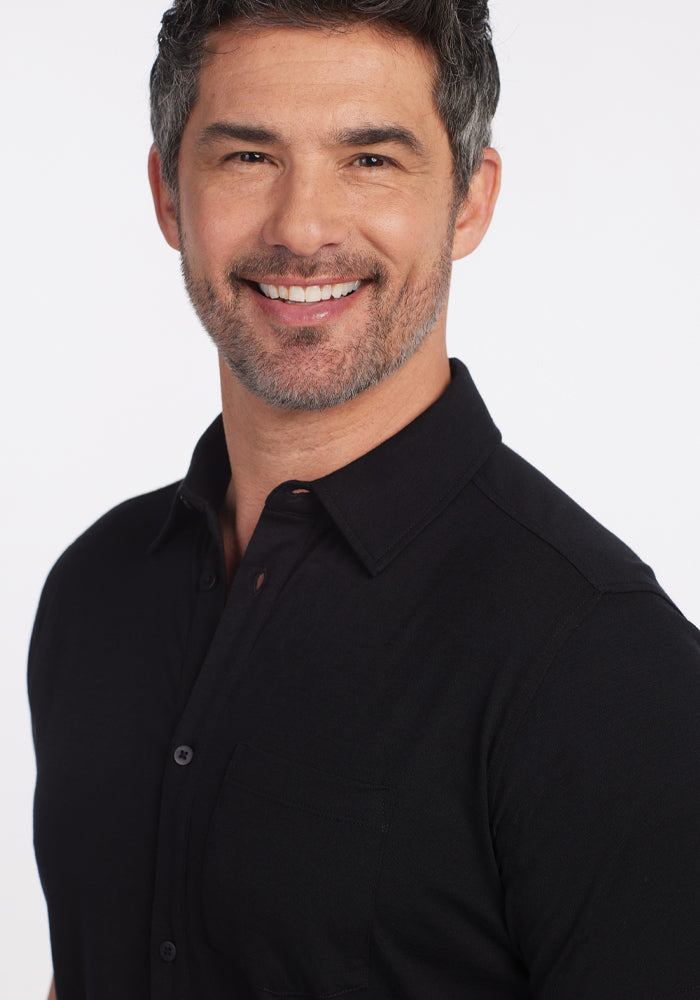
x=208, y=579
x=168, y=951
x=183, y=755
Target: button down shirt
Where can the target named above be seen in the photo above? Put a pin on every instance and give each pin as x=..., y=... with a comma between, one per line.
x=440, y=739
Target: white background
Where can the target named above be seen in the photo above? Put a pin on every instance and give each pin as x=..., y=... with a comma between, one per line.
x=578, y=317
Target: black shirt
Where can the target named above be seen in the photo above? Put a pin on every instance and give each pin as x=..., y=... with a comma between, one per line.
x=441, y=740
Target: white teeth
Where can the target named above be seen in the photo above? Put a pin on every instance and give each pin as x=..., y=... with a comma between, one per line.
x=312, y=293
x=340, y=291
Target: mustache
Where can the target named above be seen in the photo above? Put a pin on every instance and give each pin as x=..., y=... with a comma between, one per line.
x=282, y=263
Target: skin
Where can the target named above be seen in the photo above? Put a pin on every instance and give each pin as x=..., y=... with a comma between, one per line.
x=304, y=205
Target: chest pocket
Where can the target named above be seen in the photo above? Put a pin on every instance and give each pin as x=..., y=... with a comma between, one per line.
x=292, y=863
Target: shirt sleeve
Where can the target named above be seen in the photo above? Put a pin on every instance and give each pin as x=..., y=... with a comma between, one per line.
x=597, y=810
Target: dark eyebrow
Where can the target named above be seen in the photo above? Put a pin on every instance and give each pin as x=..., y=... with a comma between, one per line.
x=365, y=135
x=376, y=135
x=233, y=130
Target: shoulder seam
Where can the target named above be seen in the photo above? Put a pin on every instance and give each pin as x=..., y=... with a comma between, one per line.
x=578, y=564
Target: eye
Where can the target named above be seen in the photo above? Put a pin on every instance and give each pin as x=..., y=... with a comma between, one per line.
x=248, y=157
x=372, y=161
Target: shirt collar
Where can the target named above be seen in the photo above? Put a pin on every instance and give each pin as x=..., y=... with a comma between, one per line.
x=203, y=489
x=381, y=501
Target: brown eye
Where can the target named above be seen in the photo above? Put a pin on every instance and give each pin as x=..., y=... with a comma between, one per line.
x=369, y=160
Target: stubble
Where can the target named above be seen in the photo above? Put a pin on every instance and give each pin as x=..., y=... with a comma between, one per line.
x=308, y=369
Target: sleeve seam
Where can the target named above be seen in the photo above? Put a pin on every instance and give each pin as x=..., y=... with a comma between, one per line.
x=536, y=675
x=557, y=639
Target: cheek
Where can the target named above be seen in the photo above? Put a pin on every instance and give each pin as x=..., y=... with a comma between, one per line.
x=411, y=236
x=217, y=228
x=394, y=232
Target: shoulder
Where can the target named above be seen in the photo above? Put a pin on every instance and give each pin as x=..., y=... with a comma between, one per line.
x=541, y=518
x=613, y=649
x=595, y=640
x=128, y=529
x=593, y=777
x=117, y=541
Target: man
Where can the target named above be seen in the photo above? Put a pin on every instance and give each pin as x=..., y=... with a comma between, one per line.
x=364, y=705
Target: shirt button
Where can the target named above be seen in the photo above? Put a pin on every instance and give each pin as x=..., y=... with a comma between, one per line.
x=168, y=951
x=208, y=580
x=183, y=755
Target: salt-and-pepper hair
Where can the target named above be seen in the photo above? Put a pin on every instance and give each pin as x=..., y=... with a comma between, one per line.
x=456, y=32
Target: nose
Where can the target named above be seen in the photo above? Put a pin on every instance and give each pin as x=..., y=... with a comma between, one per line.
x=306, y=213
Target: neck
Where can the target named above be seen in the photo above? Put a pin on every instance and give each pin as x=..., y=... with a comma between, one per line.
x=268, y=445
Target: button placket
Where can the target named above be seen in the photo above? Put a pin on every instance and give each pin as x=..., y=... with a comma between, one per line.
x=253, y=593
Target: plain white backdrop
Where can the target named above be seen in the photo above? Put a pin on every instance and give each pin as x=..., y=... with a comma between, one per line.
x=579, y=316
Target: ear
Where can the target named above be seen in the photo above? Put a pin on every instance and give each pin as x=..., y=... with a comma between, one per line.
x=476, y=211
x=163, y=201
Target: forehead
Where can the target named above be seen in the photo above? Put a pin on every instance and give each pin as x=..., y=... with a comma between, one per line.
x=308, y=76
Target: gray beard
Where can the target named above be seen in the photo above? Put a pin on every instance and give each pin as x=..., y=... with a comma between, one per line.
x=307, y=372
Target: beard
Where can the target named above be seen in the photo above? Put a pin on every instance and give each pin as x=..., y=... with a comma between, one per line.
x=309, y=370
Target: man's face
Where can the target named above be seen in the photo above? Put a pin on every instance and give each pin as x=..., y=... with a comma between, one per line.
x=314, y=167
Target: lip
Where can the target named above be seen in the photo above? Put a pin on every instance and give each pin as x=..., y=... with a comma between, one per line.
x=304, y=314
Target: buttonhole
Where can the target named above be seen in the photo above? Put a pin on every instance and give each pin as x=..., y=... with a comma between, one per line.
x=259, y=581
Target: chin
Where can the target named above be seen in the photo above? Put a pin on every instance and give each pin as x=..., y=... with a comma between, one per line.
x=311, y=380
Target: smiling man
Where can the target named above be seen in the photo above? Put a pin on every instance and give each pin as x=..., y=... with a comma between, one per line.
x=328, y=268
x=364, y=704
x=317, y=211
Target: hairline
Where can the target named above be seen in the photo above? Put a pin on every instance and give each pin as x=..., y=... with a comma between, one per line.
x=330, y=25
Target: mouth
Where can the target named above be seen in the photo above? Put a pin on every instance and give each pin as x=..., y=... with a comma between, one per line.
x=303, y=294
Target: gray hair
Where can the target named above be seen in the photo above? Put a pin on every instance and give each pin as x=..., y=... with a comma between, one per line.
x=457, y=32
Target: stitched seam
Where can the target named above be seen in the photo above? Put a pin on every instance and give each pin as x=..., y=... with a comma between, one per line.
x=431, y=510
x=559, y=637
x=371, y=933
x=689, y=991
x=428, y=513
x=313, y=996
x=553, y=645
x=538, y=530
x=610, y=587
